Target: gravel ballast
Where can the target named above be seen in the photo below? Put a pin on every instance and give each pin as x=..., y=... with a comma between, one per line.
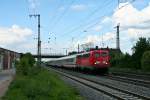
x=87, y=92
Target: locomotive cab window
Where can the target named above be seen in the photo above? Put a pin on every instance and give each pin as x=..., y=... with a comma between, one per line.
x=96, y=55
x=104, y=54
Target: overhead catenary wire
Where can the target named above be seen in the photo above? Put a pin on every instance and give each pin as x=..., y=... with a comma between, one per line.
x=125, y=4
x=97, y=19
x=57, y=8
x=89, y=15
x=83, y=22
x=78, y=27
x=62, y=15
x=89, y=26
x=102, y=16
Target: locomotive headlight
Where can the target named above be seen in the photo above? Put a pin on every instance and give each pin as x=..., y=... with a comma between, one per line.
x=104, y=62
x=97, y=62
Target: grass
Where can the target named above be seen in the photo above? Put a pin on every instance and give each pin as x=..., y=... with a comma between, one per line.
x=46, y=85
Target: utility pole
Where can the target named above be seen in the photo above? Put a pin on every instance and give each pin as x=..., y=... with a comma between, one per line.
x=66, y=51
x=118, y=3
x=78, y=48
x=39, y=39
x=102, y=41
x=117, y=37
x=72, y=44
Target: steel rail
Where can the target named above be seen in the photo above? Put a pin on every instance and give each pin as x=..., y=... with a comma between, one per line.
x=124, y=94
x=140, y=82
x=134, y=75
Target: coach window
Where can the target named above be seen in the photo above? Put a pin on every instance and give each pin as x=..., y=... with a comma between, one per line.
x=68, y=60
x=79, y=56
x=71, y=60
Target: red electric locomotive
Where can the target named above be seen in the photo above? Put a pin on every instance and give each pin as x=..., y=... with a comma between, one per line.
x=94, y=59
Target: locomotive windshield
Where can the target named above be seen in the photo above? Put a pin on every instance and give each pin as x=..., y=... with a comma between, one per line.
x=102, y=54
x=97, y=55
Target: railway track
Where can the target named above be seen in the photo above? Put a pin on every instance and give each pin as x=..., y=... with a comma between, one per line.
x=111, y=91
x=133, y=75
x=141, y=80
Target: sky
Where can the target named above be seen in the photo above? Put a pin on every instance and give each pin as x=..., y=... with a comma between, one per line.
x=67, y=23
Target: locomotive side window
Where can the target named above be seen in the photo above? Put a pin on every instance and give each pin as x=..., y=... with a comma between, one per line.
x=86, y=55
x=79, y=56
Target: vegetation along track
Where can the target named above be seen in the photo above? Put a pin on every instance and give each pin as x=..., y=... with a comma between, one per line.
x=141, y=80
x=104, y=88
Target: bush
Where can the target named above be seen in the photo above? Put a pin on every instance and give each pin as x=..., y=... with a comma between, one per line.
x=115, y=58
x=145, y=61
x=26, y=64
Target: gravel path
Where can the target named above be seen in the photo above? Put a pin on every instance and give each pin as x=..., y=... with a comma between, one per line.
x=6, y=77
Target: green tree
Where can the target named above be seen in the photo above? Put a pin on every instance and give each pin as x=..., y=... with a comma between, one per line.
x=146, y=61
x=126, y=61
x=141, y=46
x=115, y=58
x=25, y=64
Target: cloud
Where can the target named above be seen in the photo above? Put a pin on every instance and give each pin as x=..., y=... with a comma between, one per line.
x=135, y=33
x=61, y=8
x=33, y=3
x=106, y=20
x=97, y=28
x=135, y=22
x=14, y=34
x=91, y=38
x=79, y=7
x=96, y=39
x=33, y=6
x=108, y=36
